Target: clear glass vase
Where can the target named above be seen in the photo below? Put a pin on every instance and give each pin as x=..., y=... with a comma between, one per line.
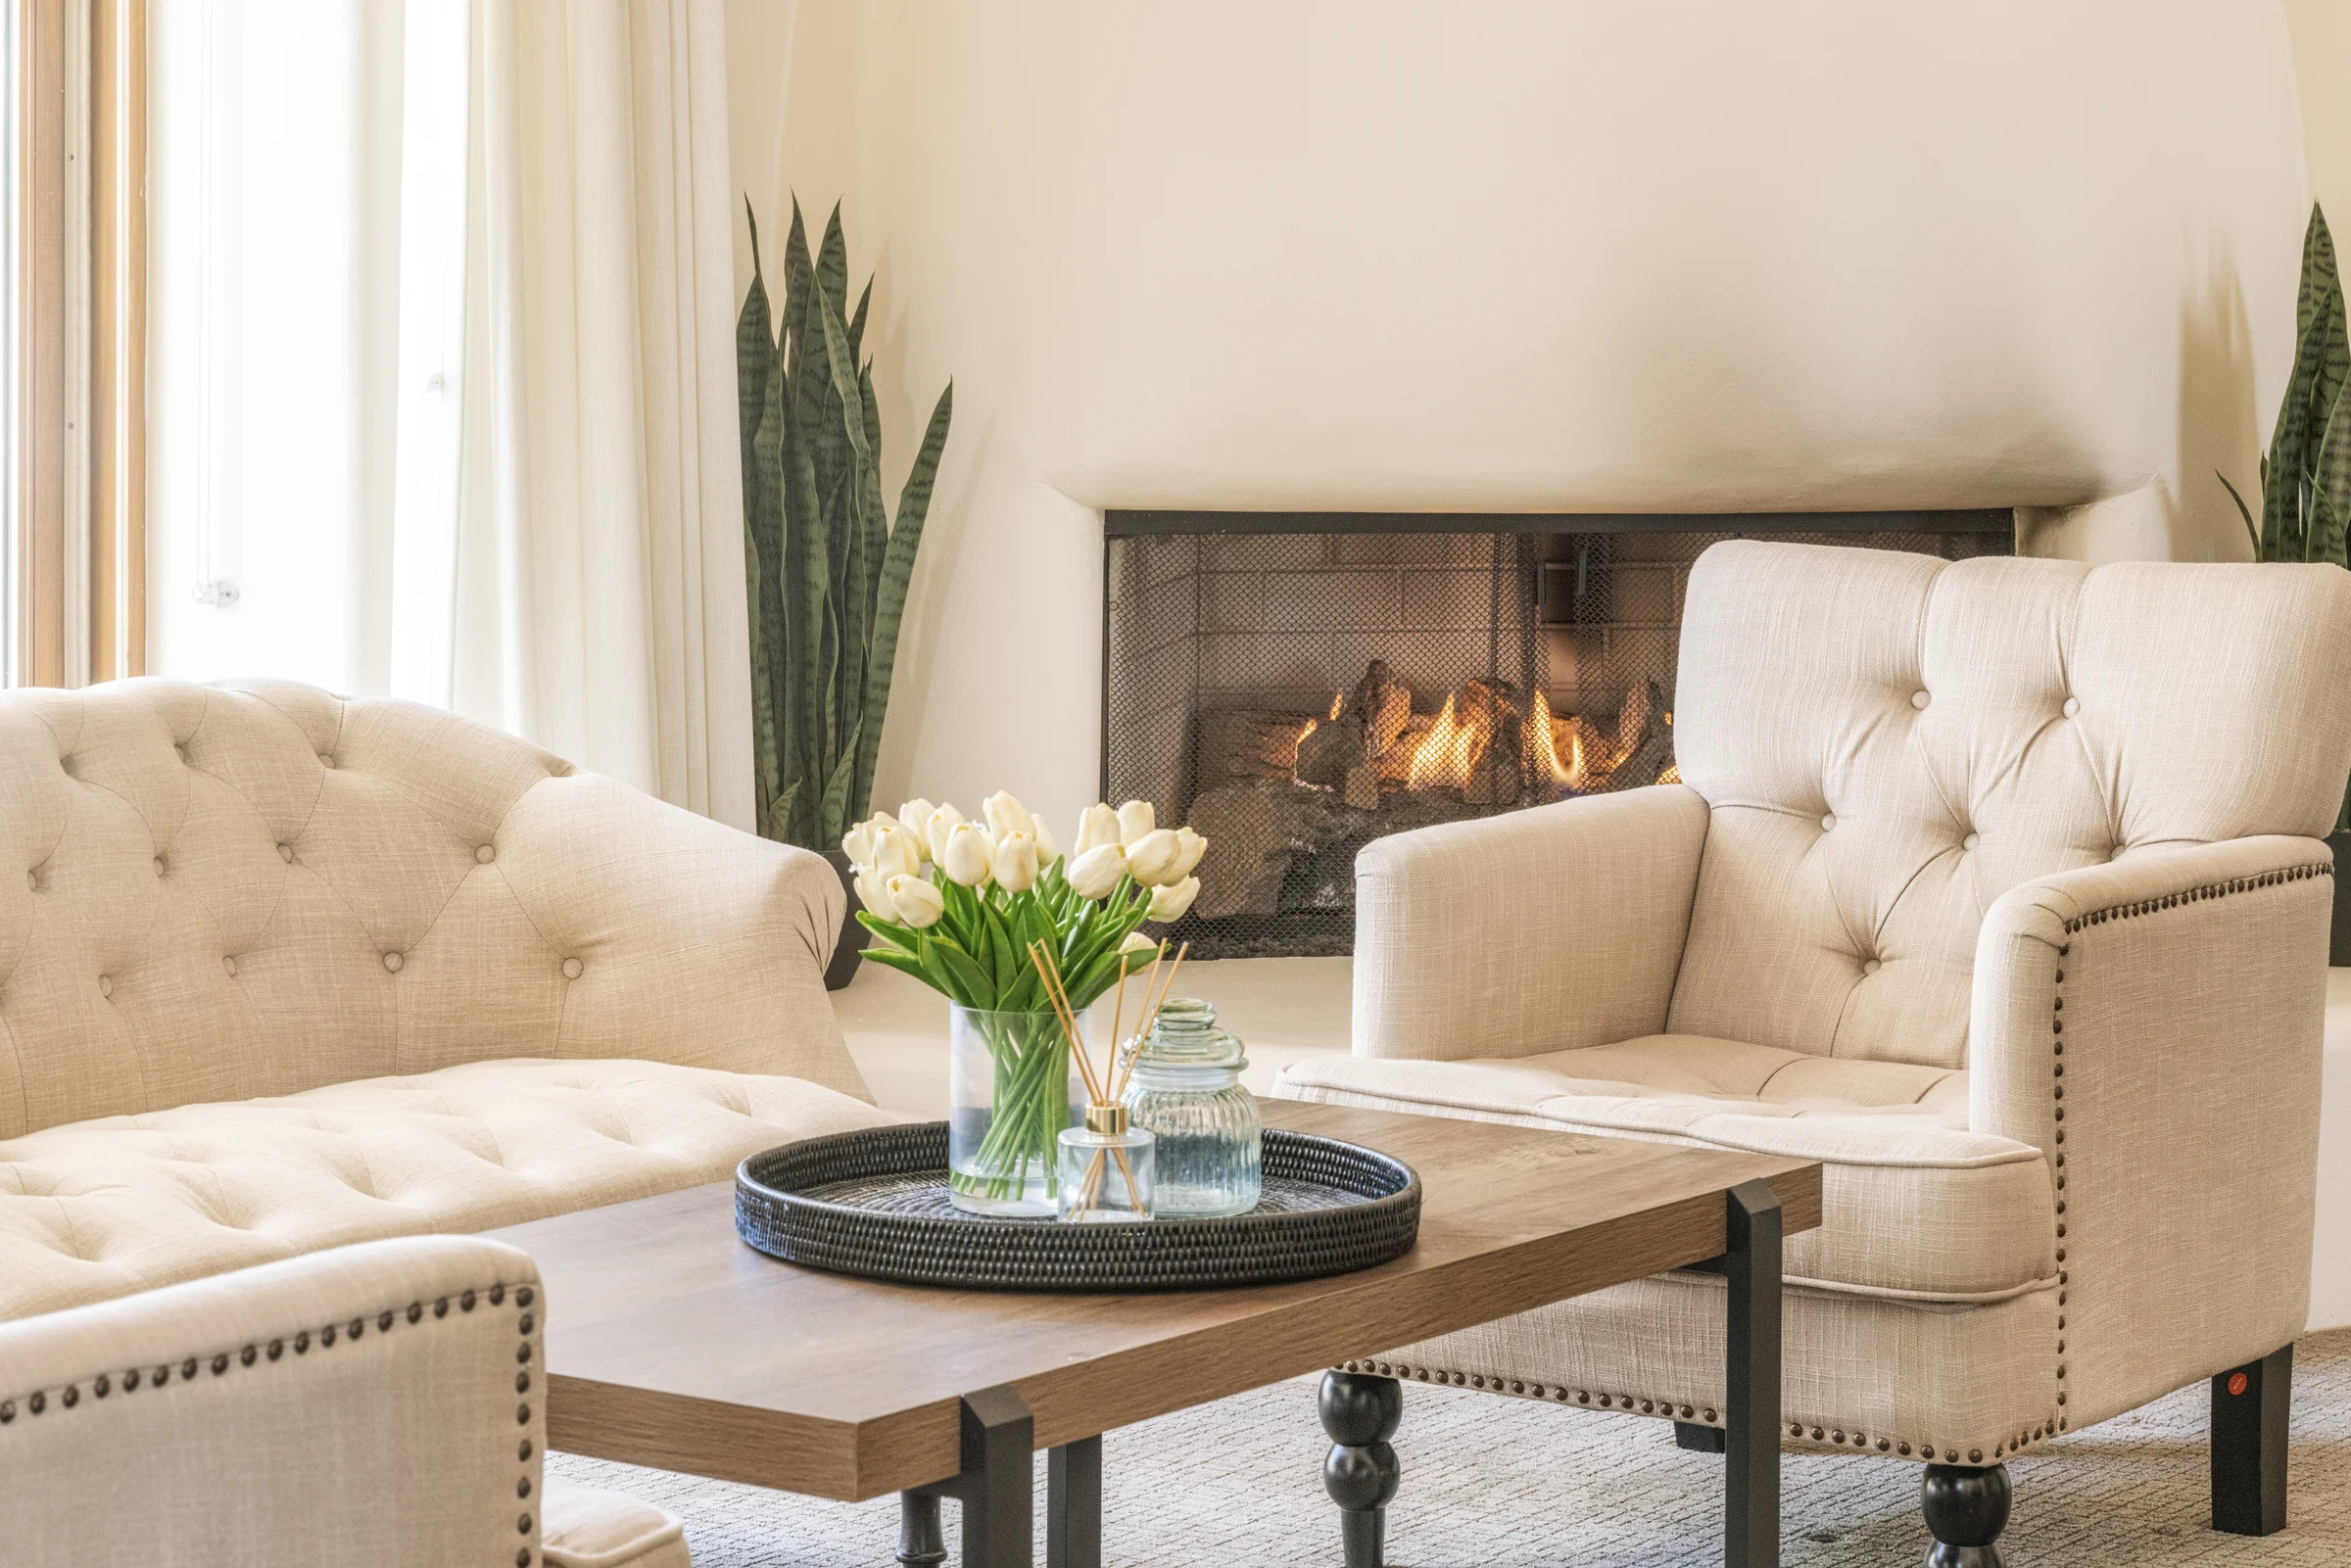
x=1011, y=1089
x=1186, y=1089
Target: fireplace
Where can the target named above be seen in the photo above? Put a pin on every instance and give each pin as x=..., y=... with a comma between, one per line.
x=1296, y=685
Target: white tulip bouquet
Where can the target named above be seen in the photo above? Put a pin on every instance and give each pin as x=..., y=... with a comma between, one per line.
x=958, y=904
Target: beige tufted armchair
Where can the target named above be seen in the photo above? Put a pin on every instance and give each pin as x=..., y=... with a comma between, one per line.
x=280, y=971
x=1997, y=887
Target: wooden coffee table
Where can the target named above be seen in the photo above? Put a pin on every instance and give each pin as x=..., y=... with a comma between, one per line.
x=669, y=1342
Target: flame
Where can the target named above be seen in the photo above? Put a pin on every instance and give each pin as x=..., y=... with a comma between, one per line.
x=1339, y=701
x=1442, y=759
x=1543, y=747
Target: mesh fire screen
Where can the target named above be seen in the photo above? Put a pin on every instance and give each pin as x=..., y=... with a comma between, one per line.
x=1295, y=695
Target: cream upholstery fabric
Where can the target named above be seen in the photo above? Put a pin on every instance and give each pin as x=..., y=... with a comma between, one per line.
x=2053, y=826
x=1855, y=718
x=1915, y=1204
x=588, y=1527
x=208, y=893
x=372, y=1408
x=1860, y=1374
x=98, y=1209
x=1611, y=876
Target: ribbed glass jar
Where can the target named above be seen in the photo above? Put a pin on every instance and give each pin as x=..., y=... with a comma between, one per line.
x=1186, y=1089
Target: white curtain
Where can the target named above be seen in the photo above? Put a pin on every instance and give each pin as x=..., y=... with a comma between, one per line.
x=576, y=574
x=474, y=443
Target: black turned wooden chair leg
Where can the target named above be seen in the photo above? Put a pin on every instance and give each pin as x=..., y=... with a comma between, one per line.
x=2250, y=1405
x=1966, y=1510
x=1359, y=1413
x=922, y=1540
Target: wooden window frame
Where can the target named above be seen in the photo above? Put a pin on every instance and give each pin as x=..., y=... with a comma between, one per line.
x=81, y=341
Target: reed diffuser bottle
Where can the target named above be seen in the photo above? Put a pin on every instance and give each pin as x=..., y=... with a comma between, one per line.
x=1106, y=1168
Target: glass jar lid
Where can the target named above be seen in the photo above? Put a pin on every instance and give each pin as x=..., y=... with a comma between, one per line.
x=1185, y=1035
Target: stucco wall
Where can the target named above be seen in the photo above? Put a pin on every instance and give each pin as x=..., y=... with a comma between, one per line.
x=1536, y=256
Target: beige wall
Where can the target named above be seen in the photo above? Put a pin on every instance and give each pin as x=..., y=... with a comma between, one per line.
x=2322, y=33
x=1533, y=255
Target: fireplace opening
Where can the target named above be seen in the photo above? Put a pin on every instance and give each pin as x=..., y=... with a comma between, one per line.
x=1295, y=685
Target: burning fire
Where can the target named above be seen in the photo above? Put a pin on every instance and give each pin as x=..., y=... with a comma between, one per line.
x=1338, y=703
x=1441, y=760
x=1543, y=748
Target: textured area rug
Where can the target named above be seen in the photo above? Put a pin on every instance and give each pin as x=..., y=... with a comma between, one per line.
x=1490, y=1481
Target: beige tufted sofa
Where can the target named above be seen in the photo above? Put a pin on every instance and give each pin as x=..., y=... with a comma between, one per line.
x=1998, y=887
x=280, y=973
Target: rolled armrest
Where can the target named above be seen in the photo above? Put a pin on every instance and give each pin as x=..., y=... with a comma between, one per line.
x=2154, y=1027
x=699, y=945
x=379, y=1404
x=1536, y=931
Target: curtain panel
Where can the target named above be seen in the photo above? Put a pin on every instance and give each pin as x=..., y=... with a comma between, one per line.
x=446, y=369
x=581, y=582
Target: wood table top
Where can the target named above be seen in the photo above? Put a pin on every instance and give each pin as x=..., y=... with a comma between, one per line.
x=670, y=1342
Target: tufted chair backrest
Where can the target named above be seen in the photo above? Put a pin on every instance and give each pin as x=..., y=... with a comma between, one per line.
x=1887, y=743
x=212, y=893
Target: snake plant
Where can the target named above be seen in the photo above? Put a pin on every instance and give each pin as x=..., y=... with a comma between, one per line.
x=2306, y=478
x=825, y=569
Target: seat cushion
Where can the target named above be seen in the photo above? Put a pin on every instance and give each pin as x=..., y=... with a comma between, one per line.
x=93, y=1210
x=1915, y=1205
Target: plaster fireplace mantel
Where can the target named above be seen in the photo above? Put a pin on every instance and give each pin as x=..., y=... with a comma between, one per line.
x=1295, y=684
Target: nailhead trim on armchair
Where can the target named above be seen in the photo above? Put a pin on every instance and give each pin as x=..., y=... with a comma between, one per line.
x=103, y=1384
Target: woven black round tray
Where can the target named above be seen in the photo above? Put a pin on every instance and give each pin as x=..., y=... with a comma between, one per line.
x=875, y=1203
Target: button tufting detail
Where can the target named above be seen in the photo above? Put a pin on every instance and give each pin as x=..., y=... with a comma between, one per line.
x=106, y=986
x=484, y=854
x=159, y=864
x=1918, y=700
x=2073, y=705
x=1828, y=822
x=571, y=969
x=228, y=966
x=285, y=853
x=393, y=961
x=1971, y=840
x=1870, y=965
x=326, y=759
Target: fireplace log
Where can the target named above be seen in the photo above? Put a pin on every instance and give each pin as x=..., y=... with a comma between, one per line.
x=1382, y=705
x=1334, y=749
x=1258, y=828
x=1241, y=746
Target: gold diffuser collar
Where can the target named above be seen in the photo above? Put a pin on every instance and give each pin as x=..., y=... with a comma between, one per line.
x=1107, y=1120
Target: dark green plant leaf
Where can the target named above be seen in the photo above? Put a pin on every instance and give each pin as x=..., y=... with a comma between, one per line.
x=857, y=327
x=897, y=570
x=2251, y=528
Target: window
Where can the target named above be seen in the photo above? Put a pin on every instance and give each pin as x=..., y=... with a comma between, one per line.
x=76, y=341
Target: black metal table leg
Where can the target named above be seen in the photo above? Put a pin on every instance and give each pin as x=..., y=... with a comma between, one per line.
x=999, y=1444
x=1074, y=1504
x=1751, y=1395
x=1359, y=1413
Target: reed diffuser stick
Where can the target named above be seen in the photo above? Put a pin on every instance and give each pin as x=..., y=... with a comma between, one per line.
x=1151, y=1007
x=1057, y=992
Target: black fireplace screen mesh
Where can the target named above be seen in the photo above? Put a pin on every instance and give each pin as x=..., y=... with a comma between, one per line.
x=1295, y=695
